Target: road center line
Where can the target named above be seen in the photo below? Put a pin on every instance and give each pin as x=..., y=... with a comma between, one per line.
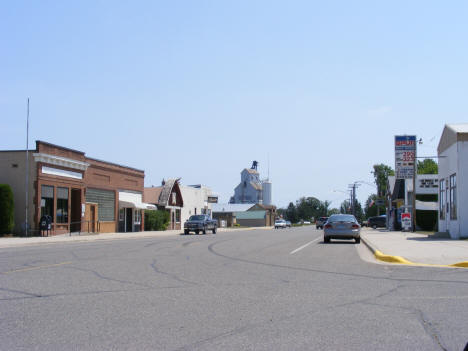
x=36, y=267
x=304, y=246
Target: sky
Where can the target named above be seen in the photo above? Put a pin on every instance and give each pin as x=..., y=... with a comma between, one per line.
x=200, y=89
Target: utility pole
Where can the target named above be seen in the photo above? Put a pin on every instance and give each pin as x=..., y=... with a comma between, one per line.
x=352, y=188
x=26, y=224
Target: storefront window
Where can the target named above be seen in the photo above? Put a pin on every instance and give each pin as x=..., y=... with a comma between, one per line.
x=453, y=196
x=177, y=216
x=62, y=205
x=137, y=217
x=47, y=200
x=442, y=199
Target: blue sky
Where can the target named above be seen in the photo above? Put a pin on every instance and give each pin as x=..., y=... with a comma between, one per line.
x=199, y=89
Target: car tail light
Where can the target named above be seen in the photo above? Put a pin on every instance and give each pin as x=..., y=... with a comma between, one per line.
x=328, y=225
x=355, y=226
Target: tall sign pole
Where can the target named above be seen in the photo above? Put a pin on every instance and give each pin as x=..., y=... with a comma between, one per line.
x=405, y=168
x=26, y=231
x=415, y=174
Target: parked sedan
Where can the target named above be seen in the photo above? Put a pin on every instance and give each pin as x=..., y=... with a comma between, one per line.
x=342, y=226
x=288, y=224
x=377, y=222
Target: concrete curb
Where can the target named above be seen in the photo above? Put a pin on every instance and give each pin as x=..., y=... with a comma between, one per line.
x=6, y=243
x=401, y=260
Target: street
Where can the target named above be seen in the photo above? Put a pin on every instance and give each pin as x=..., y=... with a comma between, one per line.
x=240, y=290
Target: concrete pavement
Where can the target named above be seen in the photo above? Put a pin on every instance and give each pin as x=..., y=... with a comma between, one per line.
x=415, y=249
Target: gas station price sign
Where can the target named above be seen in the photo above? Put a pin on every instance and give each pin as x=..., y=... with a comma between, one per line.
x=405, y=156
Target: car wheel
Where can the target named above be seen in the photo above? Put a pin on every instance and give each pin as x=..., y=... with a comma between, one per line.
x=214, y=230
x=186, y=231
x=326, y=239
x=358, y=240
x=374, y=227
x=197, y=232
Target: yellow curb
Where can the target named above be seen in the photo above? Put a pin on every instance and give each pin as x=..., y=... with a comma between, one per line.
x=400, y=260
x=392, y=259
x=460, y=264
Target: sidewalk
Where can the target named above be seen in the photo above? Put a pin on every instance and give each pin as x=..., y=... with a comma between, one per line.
x=415, y=249
x=86, y=237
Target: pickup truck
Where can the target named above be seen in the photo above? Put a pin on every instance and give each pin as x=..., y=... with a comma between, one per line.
x=200, y=223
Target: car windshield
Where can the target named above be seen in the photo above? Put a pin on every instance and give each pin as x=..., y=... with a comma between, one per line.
x=279, y=220
x=342, y=218
x=323, y=218
x=196, y=218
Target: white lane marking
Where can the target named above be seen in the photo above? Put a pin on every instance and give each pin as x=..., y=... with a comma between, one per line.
x=304, y=246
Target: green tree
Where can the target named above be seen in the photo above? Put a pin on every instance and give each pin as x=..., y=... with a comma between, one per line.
x=7, y=209
x=345, y=207
x=291, y=213
x=333, y=211
x=381, y=173
x=427, y=166
x=311, y=207
x=156, y=220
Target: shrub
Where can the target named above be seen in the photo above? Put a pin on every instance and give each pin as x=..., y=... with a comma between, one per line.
x=156, y=220
x=7, y=209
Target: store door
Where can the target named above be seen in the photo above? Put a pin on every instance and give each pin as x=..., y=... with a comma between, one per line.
x=128, y=220
x=75, y=215
x=91, y=216
x=92, y=224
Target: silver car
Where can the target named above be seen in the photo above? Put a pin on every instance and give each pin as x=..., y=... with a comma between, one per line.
x=342, y=226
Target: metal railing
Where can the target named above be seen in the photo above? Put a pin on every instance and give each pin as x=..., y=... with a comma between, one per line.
x=91, y=224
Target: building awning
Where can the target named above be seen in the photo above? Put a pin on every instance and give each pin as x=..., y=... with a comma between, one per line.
x=427, y=206
x=133, y=200
x=137, y=205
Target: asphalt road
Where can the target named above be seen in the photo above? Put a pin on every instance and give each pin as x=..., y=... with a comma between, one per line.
x=244, y=290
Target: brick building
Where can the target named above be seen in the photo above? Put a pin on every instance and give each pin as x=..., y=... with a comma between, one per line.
x=79, y=193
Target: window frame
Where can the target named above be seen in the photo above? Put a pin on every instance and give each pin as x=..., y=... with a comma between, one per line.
x=48, y=201
x=453, y=196
x=63, y=217
x=442, y=199
x=137, y=216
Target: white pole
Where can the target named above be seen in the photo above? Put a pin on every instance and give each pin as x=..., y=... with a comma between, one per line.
x=27, y=169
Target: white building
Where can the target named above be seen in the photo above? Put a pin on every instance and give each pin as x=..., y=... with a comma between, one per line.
x=198, y=199
x=453, y=180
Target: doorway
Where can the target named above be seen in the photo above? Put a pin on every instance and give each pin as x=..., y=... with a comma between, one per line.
x=129, y=220
x=75, y=213
x=92, y=224
x=91, y=217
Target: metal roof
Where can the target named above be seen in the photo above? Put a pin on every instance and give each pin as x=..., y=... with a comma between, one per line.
x=250, y=215
x=230, y=207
